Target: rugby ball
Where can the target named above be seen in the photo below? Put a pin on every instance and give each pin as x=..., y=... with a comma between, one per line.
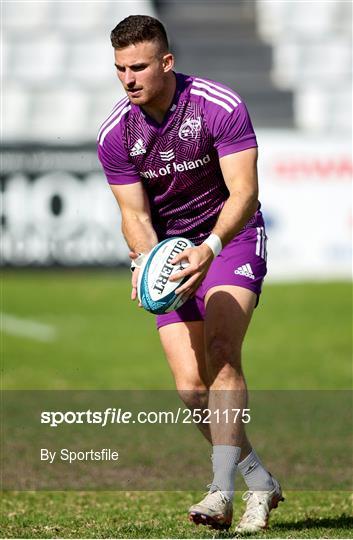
x=154, y=290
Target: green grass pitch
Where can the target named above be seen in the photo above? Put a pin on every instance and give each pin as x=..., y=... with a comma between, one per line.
x=300, y=338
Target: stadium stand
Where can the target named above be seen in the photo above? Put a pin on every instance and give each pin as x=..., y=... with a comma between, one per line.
x=38, y=59
x=290, y=60
x=219, y=40
x=64, y=107
x=15, y=112
x=312, y=44
x=21, y=17
x=58, y=77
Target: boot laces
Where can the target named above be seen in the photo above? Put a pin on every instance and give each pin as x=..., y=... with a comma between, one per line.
x=257, y=505
x=215, y=495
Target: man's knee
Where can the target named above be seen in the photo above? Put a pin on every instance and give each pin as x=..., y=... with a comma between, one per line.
x=222, y=351
x=194, y=397
x=224, y=359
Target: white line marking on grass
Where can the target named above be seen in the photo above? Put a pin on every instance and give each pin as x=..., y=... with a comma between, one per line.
x=27, y=328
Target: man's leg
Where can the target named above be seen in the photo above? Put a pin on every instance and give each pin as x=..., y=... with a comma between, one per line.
x=228, y=314
x=183, y=344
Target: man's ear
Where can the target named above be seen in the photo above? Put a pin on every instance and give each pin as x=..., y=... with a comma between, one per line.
x=168, y=62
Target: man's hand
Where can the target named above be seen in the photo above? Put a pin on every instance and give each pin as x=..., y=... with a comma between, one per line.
x=134, y=277
x=199, y=259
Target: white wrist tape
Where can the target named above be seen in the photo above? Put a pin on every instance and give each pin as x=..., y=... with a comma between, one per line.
x=137, y=263
x=214, y=243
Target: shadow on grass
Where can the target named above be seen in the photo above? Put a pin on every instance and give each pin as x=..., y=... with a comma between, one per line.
x=342, y=522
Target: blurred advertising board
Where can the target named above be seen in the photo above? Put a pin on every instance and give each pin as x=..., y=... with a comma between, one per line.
x=306, y=193
x=58, y=208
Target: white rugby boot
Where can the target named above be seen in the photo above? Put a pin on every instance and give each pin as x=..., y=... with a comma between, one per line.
x=215, y=510
x=258, y=507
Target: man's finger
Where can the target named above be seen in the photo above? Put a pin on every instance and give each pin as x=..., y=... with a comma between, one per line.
x=181, y=256
x=183, y=273
x=133, y=293
x=188, y=285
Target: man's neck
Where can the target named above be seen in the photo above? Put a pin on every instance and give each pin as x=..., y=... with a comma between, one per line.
x=158, y=109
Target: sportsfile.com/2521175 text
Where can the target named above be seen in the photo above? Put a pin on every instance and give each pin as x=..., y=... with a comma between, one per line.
x=119, y=416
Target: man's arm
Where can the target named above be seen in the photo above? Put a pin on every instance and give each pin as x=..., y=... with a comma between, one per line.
x=136, y=223
x=240, y=175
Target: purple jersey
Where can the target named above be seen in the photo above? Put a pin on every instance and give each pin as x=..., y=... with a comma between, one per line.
x=178, y=160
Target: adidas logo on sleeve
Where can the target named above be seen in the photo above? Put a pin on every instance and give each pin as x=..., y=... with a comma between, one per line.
x=245, y=270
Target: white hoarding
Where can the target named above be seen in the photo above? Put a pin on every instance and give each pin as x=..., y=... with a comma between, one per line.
x=58, y=208
x=305, y=190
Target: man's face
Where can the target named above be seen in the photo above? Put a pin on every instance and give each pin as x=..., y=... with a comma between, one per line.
x=141, y=69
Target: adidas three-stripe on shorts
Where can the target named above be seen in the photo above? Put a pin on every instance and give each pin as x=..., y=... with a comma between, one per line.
x=241, y=262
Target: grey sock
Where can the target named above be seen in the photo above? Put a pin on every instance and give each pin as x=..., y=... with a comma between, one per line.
x=255, y=475
x=225, y=459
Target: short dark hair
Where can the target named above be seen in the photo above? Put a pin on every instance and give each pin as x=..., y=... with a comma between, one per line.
x=136, y=29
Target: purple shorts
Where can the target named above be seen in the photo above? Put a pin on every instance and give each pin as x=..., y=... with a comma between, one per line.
x=242, y=262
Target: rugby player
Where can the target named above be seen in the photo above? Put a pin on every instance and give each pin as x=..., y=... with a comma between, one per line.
x=180, y=154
